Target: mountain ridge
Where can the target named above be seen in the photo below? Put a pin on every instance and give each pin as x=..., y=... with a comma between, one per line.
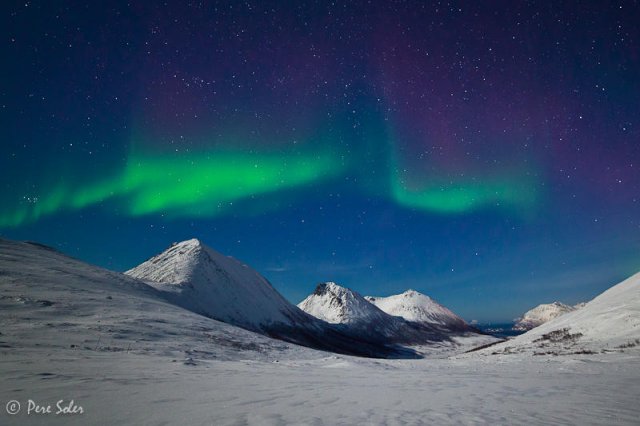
x=194, y=276
x=353, y=312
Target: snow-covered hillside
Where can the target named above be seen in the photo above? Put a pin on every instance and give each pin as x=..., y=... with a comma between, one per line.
x=541, y=314
x=610, y=322
x=414, y=306
x=205, y=281
x=51, y=302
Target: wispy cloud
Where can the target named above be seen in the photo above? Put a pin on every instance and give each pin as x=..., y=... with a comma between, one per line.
x=276, y=269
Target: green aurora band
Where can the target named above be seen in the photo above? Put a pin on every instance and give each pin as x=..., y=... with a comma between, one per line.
x=185, y=185
x=454, y=197
x=456, y=194
x=209, y=184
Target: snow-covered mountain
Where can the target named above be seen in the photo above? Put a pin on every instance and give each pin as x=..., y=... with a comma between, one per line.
x=50, y=302
x=541, y=314
x=202, y=280
x=198, y=278
x=608, y=323
x=417, y=307
x=339, y=305
x=51, y=299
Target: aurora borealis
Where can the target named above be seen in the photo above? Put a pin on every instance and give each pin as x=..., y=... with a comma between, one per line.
x=209, y=183
x=485, y=154
x=186, y=185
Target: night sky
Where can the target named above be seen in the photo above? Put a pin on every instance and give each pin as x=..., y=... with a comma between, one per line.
x=484, y=153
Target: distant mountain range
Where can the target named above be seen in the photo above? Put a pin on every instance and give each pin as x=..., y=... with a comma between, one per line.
x=196, y=277
x=409, y=318
x=191, y=299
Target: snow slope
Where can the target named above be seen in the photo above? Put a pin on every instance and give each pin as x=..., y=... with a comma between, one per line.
x=414, y=306
x=610, y=322
x=205, y=281
x=541, y=314
x=51, y=302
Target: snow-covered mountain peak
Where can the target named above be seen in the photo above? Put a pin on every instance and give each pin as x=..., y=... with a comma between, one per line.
x=339, y=305
x=218, y=286
x=193, y=242
x=411, y=318
x=331, y=288
x=542, y=314
x=186, y=247
x=415, y=306
x=189, y=262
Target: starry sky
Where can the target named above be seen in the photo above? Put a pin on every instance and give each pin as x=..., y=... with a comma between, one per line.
x=484, y=153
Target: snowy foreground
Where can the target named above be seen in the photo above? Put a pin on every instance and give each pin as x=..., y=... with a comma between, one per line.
x=328, y=390
x=128, y=356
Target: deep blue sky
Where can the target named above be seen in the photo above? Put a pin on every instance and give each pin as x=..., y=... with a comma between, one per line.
x=487, y=155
